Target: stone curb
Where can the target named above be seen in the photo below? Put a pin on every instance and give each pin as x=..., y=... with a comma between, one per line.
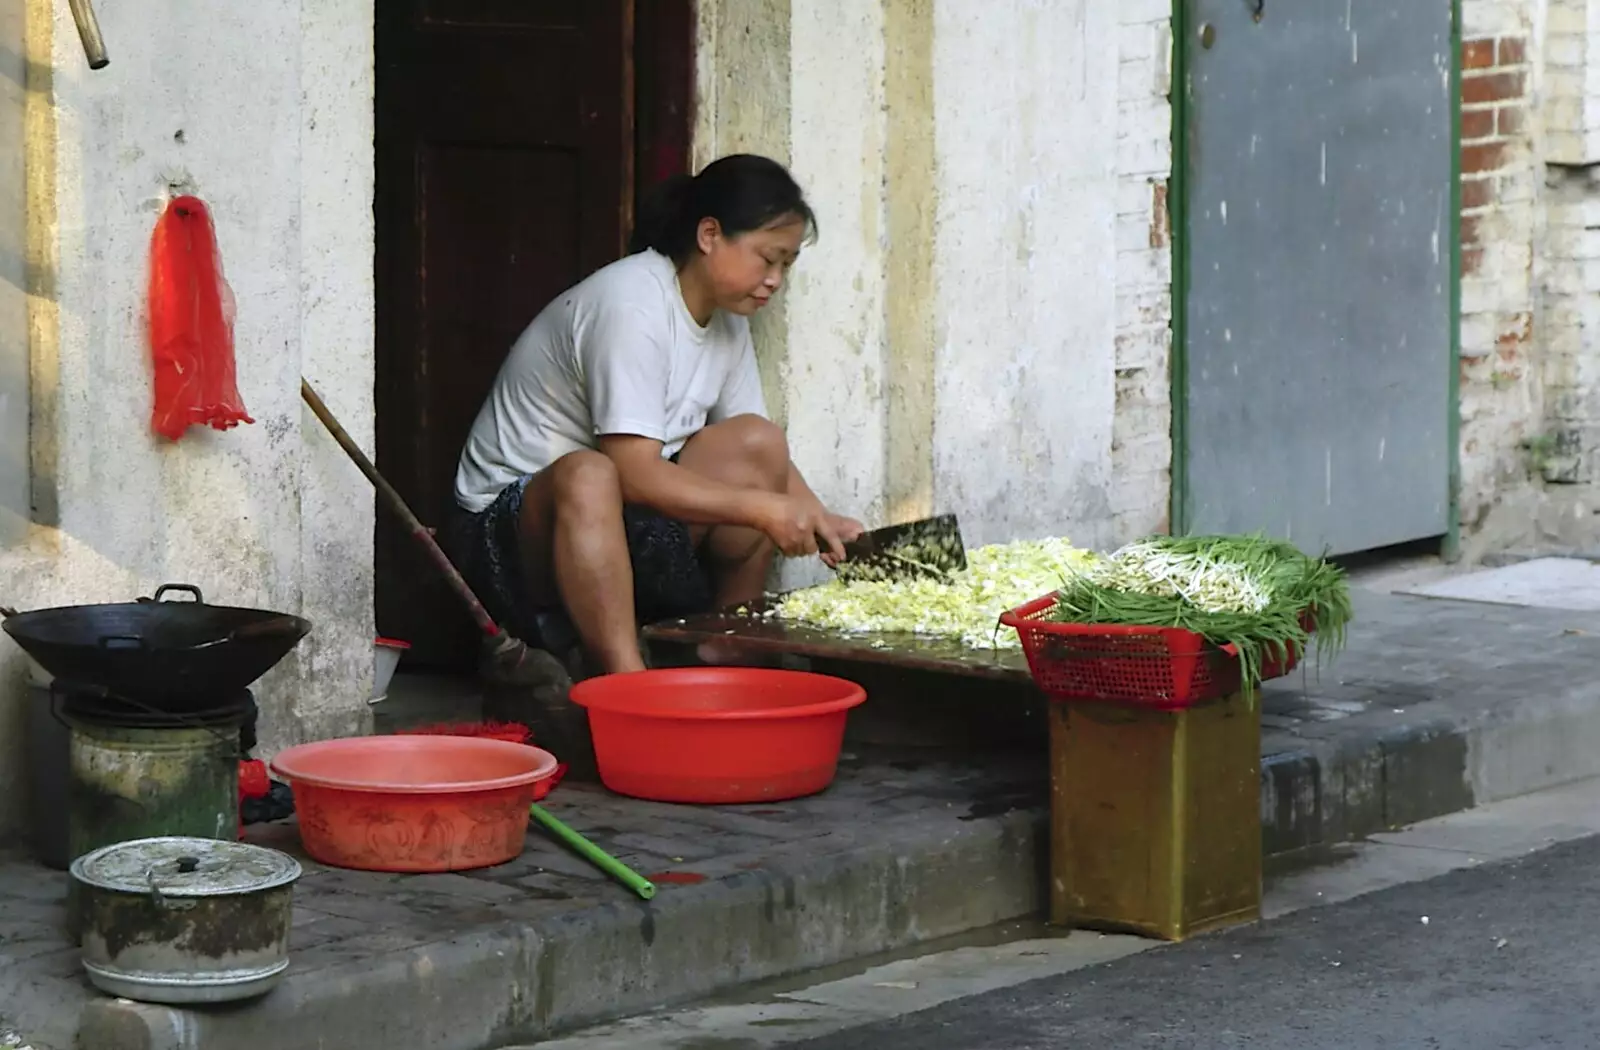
x=511, y=983
x=1356, y=784
x=495, y=986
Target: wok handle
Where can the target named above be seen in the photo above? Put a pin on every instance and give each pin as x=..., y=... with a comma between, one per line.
x=265, y=629
x=135, y=640
x=186, y=588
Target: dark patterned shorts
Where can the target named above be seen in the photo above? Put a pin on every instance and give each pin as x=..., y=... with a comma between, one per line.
x=668, y=577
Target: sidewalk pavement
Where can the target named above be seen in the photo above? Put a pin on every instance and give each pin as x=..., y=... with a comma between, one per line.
x=1435, y=706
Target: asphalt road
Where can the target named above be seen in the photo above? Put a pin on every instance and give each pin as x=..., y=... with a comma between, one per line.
x=1508, y=957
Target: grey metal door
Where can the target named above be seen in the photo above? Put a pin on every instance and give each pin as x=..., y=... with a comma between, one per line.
x=1319, y=281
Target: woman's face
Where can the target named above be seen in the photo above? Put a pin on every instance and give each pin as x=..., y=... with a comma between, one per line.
x=746, y=270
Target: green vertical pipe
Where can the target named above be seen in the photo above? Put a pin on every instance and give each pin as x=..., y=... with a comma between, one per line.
x=1450, y=550
x=1178, y=509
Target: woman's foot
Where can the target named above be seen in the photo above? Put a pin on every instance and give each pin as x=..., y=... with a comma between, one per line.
x=580, y=667
x=538, y=696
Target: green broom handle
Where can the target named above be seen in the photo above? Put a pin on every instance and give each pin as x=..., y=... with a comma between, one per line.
x=594, y=854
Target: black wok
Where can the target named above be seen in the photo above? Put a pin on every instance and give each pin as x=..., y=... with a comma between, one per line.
x=167, y=654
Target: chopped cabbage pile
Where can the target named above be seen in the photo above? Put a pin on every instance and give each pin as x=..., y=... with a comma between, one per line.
x=967, y=609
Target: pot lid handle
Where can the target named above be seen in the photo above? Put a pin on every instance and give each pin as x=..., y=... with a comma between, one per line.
x=185, y=588
x=155, y=888
x=183, y=865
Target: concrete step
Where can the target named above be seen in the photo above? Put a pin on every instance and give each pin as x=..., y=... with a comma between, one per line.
x=1435, y=707
x=853, y=997
x=889, y=880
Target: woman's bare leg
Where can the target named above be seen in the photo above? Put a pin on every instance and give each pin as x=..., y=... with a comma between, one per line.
x=575, y=552
x=746, y=452
x=749, y=452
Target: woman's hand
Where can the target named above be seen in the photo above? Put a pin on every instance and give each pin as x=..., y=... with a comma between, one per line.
x=801, y=525
x=847, y=529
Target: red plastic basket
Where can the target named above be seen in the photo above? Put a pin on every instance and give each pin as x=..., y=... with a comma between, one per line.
x=1167, y=668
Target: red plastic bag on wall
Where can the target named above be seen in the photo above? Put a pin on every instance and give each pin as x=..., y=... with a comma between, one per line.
x=191, y=325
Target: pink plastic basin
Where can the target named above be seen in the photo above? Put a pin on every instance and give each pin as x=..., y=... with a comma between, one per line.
x=413, y=803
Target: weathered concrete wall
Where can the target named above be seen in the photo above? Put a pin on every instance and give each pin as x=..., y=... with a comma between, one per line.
x=1025, y=263
x=1141, y=440
x=987, y=316
x=836, y=369
x=743, y=63
x=987, y=293
x=13, y=280
x=264, y=110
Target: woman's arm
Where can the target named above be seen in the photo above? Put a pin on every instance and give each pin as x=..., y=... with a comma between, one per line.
x=678, y=492
x=846, y=529
x=796, y=522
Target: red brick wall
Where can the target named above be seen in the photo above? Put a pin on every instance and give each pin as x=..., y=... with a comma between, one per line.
x=1499, y=385
x=1494, y=113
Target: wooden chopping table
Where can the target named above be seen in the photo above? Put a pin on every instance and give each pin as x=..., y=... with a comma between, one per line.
x=905, y=652
x=1154, y=815
x=925, y=692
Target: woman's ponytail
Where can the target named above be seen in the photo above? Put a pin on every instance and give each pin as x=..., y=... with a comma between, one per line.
x=663, y=221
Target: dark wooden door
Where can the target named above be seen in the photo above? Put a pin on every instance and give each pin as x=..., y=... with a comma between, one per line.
x=506, y=150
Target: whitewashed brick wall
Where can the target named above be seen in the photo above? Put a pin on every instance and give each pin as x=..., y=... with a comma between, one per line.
x=1141, y=448
x=1530, y=339
x=1530, y=334
x=1571, y=81
x=1530, y=331
x=1565, y=454
x=1501, y=389
x=1530, y=296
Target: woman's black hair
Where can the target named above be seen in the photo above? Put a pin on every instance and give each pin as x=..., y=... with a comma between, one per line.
x=743, y=192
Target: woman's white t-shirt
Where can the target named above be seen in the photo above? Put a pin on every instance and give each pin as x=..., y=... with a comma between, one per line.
x=617, y=354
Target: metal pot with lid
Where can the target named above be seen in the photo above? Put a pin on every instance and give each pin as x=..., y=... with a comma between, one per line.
x=185, y=920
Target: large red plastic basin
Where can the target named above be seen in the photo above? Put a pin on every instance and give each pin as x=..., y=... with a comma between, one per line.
x=717, y=734
x=413, y=803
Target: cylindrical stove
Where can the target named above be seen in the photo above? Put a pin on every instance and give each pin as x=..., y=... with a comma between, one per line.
x=136, y=771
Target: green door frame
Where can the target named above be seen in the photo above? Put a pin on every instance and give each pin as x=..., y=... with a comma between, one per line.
x=1179, y=506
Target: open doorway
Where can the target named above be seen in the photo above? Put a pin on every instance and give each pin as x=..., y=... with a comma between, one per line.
x=512, y=140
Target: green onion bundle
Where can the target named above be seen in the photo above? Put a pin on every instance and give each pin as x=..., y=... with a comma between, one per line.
x=1250, y=592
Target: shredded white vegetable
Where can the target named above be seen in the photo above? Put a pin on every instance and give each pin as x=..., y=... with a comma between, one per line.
x=966, y=609
x=1208, y=584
